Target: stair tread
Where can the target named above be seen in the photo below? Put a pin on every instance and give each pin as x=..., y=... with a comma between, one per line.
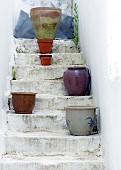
x=37, y=54
x=50, y=159
x=57, y=59
x=48, y=135
x=47, y=67
x=41, y=113
x=50, y=96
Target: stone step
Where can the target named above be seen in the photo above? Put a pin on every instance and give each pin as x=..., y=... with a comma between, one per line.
x=49, y=121
x=55, y=102
x=51, y=163
x=57, y=58
x=40, y=72
x=51, y=144
x=30, y=46
x=55, y=87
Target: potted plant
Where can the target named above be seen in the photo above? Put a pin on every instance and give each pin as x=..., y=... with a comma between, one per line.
x=13, y=74
x=23, y=102
x=81, y=120
x=45, y=21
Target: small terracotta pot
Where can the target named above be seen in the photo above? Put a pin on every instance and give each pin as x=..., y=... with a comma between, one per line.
x=23, y=102
x=45, y=45
x=45, y=60
x=81, y=120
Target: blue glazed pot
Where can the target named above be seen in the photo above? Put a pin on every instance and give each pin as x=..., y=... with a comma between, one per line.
x=80, y=120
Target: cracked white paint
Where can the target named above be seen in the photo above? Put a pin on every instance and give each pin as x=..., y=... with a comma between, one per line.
x=54, y=102
x=51, y=144
x=30, y=46
x=65, y=5
x=49, y=121
x=57, y=59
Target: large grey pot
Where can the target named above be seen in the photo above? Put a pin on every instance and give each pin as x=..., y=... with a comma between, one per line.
x=80, y=120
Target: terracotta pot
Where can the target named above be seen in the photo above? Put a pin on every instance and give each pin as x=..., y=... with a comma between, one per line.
x=76, y=80
x=45, y=45
x=81, y=120
x=45, y=60
x=45, y=21
x=23, y=102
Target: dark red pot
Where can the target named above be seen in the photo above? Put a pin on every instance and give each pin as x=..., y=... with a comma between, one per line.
x=45, y=59
x=76, y=81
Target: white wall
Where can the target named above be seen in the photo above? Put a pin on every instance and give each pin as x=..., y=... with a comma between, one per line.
x=5, y=44
x=100, y=36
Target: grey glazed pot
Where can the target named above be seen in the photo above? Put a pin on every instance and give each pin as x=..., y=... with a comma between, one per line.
x=80, y=120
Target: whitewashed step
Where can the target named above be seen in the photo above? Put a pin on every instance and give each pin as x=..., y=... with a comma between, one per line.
x=54, y=102
x=51, y=163
x=57, y=58
x=30, y=46
x=43, y=86
x=51, y=144
x=39, y=72
x=49, y=121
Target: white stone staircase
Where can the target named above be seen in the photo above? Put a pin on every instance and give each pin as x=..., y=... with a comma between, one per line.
x=41, y=141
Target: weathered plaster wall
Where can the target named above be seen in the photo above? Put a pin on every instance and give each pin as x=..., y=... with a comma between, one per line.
x=26, y=5
x=5, y=44
x=100, y=36
x=5, y=48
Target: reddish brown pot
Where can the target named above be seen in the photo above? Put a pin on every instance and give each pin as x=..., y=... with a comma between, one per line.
x=23, y=102
x=45, y=45
x=45, y=60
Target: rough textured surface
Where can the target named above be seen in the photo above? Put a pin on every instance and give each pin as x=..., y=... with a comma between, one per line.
x=43, y=86
x=57, y=59
x=51, y=163
x=65, y=5
x=41, y=140
x=50, y=121
x=30, y=46
x=55, y=102
x=51, y=144
x=39, y=73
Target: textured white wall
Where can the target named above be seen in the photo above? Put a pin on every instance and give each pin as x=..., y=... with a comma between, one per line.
x=5, y=43
x=26, y=5
x=100, y=36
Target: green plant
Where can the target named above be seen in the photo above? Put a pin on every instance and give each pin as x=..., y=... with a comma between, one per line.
x=76, y=27
x=14, y=74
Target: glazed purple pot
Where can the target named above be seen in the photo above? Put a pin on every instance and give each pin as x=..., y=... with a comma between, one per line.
x=76, y=80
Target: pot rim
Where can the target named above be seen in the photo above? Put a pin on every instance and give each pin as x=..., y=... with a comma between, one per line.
x=45, y=8
x=24, y=93
x=77, y=68
x=44, y=40
x=81, y=107
x=45, y=55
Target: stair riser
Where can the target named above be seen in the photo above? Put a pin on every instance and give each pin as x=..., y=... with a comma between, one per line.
x=57, y=166
x=31, y=46
x=51, y=145
x=36, y=123
x=40, y=72
x=59, y=103
x=58, y=59
x=43, y=87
